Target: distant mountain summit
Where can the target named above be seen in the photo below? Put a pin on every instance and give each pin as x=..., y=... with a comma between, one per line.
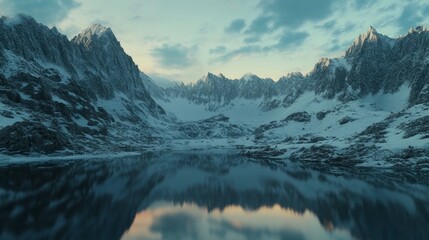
x=96, y=33
x=367, y=41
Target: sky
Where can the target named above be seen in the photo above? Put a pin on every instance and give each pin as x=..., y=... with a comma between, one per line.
x=183, y=40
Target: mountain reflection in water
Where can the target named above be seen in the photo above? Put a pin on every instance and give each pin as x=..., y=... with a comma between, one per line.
x=207, y=196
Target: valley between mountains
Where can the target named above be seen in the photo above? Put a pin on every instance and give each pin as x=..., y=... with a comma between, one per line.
x=369, y=107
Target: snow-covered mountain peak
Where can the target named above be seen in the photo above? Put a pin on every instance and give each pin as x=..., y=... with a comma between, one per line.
x=211, y=76
x=324, y=62
x=249, y=76
x=207, y=76
x=414, y=33
x=294, y=75
x=95, y=29
x=369, y=36
x=418, y=29
x=98, y=30
x=372, y=33
x=291, y=76
x=370, y=39
x=96, y=33
x=220, y=75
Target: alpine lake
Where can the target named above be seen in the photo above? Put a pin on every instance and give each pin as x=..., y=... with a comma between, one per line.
x=208, y=195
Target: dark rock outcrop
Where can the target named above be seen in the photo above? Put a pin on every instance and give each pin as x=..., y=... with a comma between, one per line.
x=321, y=115
x=217, y=118
x=417, y=126
x=375, y=132
x=298, y=117
x=345, y=120
x=28, y=137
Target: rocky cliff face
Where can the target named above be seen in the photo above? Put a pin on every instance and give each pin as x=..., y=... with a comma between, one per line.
x=110, y=61
x=376, y=63
x=412, y=52
x=88, y=89
x=370, y=56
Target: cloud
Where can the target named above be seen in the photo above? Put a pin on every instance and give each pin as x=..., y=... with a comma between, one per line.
x=46, y=11
x=206, y=28
x=291, y=39
x=174, y=56
x=259, y=26
x=344, y=29
x=252, y=39
x=426, y=11
x=218, y=50
x=337, y=31
x=289, y=14
x=412, y=15
x=287, y=40
x=363, y=3
x=176, y=226
x=182, y=225
x=329, y=24
x=101, y=22
x=236, y=26
x=242, y=51
x=336, y=46
x=136, y=18
x=223, y=227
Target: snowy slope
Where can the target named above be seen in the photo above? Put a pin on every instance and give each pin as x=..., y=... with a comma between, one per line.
x=238, y=110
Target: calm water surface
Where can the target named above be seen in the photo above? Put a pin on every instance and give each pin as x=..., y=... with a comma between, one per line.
x=207, y=196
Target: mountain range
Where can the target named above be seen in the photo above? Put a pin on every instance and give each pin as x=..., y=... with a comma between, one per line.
x=374, y=63
x=60, y=96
